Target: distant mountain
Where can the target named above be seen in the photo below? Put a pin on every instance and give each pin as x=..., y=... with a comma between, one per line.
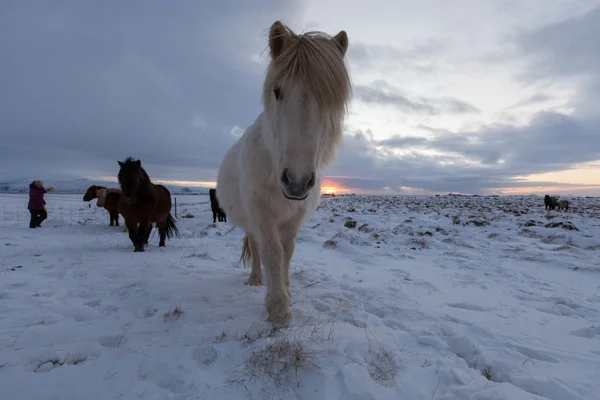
x=79, y=186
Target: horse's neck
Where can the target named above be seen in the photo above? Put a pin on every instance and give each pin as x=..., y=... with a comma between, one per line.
x=150, y=192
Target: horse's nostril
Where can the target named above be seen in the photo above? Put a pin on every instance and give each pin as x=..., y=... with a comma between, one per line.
x=285, y=179
x=311, y=181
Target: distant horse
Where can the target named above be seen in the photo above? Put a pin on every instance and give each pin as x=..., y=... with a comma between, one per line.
x=216, y=209
x=550, y=202
x=563, y=205
x=143, y=203
x=269, y=181
x=110, y=203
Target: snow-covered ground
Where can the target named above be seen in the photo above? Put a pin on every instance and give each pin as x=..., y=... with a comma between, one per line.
x=416, y=298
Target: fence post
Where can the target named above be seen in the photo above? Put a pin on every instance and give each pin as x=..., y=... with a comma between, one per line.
x=175, y=206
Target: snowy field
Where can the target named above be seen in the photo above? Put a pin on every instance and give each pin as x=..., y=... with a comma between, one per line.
x=393, y=298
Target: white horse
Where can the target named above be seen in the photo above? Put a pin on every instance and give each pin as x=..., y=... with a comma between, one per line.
x=269, y=181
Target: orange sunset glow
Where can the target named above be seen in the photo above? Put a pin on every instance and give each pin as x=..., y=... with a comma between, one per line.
x=330, y=187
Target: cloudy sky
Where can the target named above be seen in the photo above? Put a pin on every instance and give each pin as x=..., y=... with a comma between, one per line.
x=464, y=96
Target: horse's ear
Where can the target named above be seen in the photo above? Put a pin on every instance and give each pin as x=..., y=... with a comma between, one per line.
x=138, y=163
x=341, y=39
x=278, y=37
x=121, y=164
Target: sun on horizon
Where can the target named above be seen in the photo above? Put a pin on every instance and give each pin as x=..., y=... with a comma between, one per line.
x=328, y=189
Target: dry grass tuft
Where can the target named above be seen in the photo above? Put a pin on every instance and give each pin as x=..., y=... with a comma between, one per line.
x=221, y=337
x=487, y=372
x=280, y=360
x=330, y=244
x=254, y=333
x=282, y=355
x=175, y=313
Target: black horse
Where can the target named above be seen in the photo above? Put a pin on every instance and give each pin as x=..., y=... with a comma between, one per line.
x=214, y=205
x=550, y=202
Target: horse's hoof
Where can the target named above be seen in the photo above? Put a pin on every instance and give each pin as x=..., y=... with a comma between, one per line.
x=161, y=244
x=278, y=309
x=281, y=320
x=254, y=281
x=138, y=249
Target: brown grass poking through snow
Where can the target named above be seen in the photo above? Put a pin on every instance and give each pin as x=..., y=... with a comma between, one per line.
x=280, y=356
x=175, y=313
x=330, y=244
x=281, y=360
x=487, y=372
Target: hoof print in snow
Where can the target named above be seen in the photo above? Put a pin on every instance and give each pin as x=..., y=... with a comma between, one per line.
x=205, y=355
x=47, y=365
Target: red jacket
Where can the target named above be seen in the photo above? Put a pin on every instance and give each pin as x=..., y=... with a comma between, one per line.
x=36, y=197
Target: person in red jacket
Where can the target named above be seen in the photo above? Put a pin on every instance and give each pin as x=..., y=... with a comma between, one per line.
x=37, y=204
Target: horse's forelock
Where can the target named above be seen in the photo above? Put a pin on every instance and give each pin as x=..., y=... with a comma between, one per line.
x=133, y=169
x=314, y=60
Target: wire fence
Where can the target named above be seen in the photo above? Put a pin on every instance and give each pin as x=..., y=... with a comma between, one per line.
x=70, y=209
x=63, y=210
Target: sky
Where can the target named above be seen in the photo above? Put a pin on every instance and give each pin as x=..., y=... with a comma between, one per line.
x=495, y=97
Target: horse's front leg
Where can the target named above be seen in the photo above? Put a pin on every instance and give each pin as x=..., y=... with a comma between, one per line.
x=148, y=231
x=256, y=273
x=277, y=298
x=288, y=243
x=142, y=235
x=133, y=232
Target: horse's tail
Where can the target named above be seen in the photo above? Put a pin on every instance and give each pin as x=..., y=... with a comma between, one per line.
x=246, y=252
x=170, y=226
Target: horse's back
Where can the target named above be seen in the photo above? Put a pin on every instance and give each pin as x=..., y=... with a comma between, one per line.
x=228, y=190
x=163, y=197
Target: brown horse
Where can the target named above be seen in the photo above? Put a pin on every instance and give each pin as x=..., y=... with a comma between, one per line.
x=143, y=203
x=110, y=202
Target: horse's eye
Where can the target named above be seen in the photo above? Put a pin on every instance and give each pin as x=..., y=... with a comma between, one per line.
x=277, y=93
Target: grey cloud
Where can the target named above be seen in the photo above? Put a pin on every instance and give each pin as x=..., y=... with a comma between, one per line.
x=384, y=94
x=568, y=51
x=569, y=47
x=424, y=57
x=110, y=80
x=531, y=100
x=367, y=53
x=375, y=96
x=497, y=154
x=397, y=141
x=552, y=141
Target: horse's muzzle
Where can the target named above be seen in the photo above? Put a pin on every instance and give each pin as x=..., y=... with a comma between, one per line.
x=294, y=197
x=296, y=189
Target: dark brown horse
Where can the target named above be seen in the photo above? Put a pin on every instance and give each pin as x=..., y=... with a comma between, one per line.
x=143, y=203
x=110, y=203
